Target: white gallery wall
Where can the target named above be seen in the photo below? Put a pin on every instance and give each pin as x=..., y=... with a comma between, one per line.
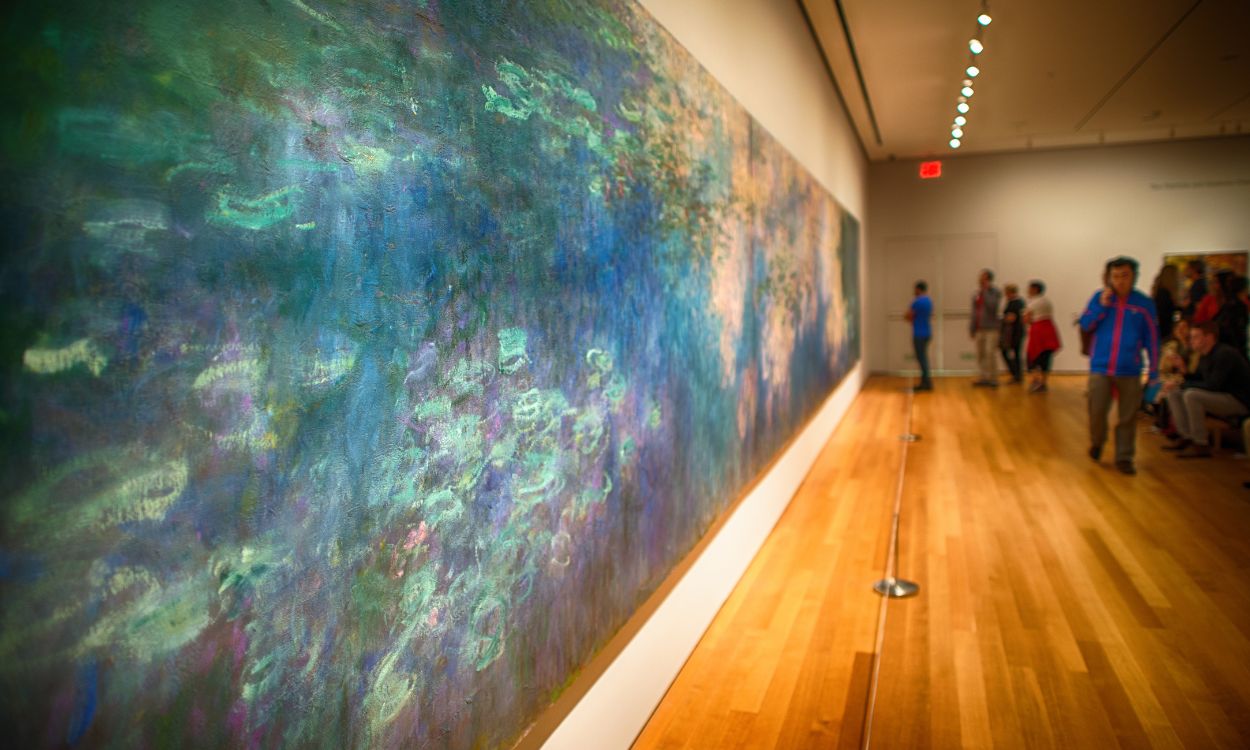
x=764, y=55
x=1056, y=216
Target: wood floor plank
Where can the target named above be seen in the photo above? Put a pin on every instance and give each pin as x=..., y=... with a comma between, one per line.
x=1062, y=604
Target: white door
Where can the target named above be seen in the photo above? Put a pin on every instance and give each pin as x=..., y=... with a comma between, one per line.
x=909, y=260
x=950, y=264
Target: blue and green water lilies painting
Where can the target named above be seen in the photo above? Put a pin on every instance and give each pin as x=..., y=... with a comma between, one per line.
x=366, y=364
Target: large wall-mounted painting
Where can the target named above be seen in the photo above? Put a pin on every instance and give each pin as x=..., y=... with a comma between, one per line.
x=365, y=364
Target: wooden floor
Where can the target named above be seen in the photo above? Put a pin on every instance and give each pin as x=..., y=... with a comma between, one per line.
x=1062, y=603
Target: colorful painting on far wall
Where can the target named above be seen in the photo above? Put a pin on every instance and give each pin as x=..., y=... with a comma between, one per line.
x=365, y=365
x=1215, y=261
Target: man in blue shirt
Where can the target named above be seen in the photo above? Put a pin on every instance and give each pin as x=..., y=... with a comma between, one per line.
x=920, y=312
x=1123, y=321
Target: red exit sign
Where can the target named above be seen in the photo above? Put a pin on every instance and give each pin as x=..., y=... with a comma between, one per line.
x=930, y=170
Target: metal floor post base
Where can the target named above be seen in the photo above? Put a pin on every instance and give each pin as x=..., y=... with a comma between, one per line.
x=896, y=588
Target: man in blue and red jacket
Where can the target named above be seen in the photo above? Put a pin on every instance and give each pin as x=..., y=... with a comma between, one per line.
x=1124, y=323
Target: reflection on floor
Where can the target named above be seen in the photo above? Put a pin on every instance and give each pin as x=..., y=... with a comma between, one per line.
x=1062, y=603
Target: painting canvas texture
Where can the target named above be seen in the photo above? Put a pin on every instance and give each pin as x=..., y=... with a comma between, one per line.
x=367, y=364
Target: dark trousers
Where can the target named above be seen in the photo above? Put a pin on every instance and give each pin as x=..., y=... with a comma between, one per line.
x=1130, y=390
x=922, y=358
x=1011, y=355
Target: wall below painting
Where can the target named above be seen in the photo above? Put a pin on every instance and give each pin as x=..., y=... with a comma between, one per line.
x=762, y=52
x=1057, y=216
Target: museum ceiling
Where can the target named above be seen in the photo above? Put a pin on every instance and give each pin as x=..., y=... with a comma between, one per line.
x=1053, y=74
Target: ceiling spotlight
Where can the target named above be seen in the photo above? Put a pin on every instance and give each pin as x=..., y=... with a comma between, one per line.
x=976, y=46
x=973, y=71
x=966, y=91
x=962, y=107
x=984, y=19
x=954, y=143
x=960, y=120
x=957, y=133
x=967, y=81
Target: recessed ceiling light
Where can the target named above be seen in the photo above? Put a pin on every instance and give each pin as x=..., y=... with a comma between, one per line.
x=976, y=46
x=962, y=107
x=957, y=133
x=966, y=91
x=973, y=71
x=961, y=120
x=984, y=19
x=967, y=81
x=954, y=143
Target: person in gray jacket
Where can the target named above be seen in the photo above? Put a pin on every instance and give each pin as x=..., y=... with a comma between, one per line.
x=984, y=328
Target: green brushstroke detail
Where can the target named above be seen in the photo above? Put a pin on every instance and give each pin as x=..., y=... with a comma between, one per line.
x=541, y=478
x=113, y=582
x=367, y=159
x=242, y=573
x=539, y=411
x=593, y=496
x=551, y=96
x=318, y=15
x=441, y=507
x=327, y=371
x=435, y=408
x=255, y=213
x=51, y=361
x=486, y=636
x=495, y=102
x=249, y=370
x=615, y=391
x=157, y=623
x=512, y=355
x=32, y=505
x=631, y=114
x=222, y=167
x=145, y=497
x=468, y=378
x=503, y=450
x=627, y=451
x=600, y=363
x=588, y=431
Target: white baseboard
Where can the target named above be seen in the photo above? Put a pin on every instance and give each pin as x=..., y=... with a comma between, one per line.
x=616, y=708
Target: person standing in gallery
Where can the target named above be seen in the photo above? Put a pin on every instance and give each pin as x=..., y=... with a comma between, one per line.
x=1043, y=336
x=1123, y=321
x=1196, y=275
x=1165, y=292
x=984, y=329
x=920, y=313
x=1011, y=337
x=1231, y=318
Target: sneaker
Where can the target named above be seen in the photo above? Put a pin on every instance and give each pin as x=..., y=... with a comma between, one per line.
x=1180, y=445
x=1126, y=467
x=1195, y=451
x=1095, y=452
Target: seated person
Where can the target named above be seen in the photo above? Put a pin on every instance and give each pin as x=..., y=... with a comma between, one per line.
x=1220, y=386
x=1176, y=360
